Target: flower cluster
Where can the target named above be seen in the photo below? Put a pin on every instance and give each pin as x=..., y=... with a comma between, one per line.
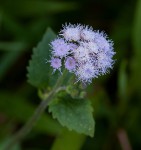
x=84, y=52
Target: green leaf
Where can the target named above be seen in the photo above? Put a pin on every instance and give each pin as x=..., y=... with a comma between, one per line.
x=75, y=114
x=39, y=72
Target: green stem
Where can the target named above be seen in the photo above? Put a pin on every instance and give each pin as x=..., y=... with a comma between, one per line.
x=33, y=120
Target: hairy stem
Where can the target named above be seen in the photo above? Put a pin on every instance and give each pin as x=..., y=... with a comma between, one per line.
x=33, y=120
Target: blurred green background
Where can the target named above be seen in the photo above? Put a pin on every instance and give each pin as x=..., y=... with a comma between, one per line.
x=116, y=97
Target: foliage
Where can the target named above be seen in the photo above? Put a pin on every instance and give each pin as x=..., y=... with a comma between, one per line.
x=73, y=113
x=39, y=72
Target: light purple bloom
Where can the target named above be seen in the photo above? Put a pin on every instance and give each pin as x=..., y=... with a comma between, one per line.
x=60, y=47
x=70, y=64
x=87, y=53
x=56, y=63
x=86, y=73
x=71, y=32
x=81, y=54
x=102, y=42
x=72, y=46
x=87, y=34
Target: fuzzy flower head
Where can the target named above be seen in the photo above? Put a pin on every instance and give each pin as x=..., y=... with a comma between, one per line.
x=87, y=34
x=82, y=51
x=60, y=47
x=70, y=64
x=81, y=54
x=86, y=73
x=71, y=32
x=55, y=63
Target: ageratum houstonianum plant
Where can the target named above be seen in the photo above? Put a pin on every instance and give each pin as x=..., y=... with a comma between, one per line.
x=74, y=57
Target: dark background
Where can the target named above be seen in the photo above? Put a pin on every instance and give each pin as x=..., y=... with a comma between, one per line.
x=116, y=97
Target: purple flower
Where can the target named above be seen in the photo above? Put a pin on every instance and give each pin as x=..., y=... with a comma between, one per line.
x=60, y=47
x=56, y=63
x=87, y=53
x=72, y=46
x=71, y=32
x=87, y=34
x=70, y=64
x=86, y=73
x=102, y=42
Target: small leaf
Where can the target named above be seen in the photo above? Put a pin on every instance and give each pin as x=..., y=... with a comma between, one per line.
x=75, y=114
x=39, y=72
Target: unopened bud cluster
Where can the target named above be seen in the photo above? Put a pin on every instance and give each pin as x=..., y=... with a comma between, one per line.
x=82, y=51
